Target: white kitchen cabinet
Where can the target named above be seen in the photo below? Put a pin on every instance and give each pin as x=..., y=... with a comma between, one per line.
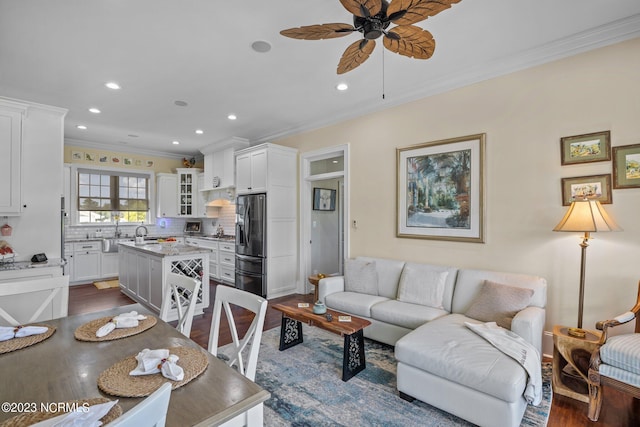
x=227, y=261
x=68, y=255
x=109, y=265
x=272, y=169
x=219, y=163
x=214, y=268
x=202, y=198
x=86, y=261
x=188, y=192
x=167, y=201
x=11, y=114
x=251, y=171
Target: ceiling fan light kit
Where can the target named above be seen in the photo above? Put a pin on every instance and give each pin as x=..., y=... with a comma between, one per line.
x=371, y=18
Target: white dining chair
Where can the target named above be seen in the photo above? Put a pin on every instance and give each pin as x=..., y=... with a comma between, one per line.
x=245, y=364
x=151, y=412
x=181, y=293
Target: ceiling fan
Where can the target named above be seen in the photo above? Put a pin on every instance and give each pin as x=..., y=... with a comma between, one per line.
x=372, y=18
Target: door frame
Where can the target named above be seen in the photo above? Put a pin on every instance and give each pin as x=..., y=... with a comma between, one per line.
x=306, y=181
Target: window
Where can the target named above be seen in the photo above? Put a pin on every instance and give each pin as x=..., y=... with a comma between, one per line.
x=111, y=196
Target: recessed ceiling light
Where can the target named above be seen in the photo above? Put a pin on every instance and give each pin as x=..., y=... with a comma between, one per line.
x=83, y=127
x=261, y=46
x=232, y=117
x=199, y=131
x=342, y=86
x=335, y=161
x=112, y=85
x=181, y=103
x=175, y=142
x=94, y=110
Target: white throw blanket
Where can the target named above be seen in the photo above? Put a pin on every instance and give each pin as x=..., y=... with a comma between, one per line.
x=124, y=320
x=516, y=347
x=11, y=332
x=154, y=361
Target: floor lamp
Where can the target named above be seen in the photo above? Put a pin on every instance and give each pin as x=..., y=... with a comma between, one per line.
x=585, y=216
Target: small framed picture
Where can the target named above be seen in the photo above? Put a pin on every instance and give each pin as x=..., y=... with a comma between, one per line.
x=594, y=187
x=324, y=199
x=116, y=159
x=89, y=157
x=591, y=147
x=127, y=161
x=77, y=155
x=103, y=158
x=626, y=166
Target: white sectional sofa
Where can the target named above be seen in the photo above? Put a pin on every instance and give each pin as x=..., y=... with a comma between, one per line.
x=421, y=309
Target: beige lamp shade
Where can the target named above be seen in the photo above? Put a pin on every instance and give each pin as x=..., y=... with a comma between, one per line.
x=587, y=216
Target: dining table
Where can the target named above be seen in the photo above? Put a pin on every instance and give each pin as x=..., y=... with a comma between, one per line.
x=62, y=368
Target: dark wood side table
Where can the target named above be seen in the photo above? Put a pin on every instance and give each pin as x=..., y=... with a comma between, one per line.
x=571, y=362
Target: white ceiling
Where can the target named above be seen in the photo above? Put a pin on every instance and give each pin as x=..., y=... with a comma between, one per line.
x=61, y=52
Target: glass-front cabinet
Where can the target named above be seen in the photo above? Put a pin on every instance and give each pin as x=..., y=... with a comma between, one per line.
x=187, y=192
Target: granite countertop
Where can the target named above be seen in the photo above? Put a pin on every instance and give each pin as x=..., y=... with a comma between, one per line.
x=166, y=249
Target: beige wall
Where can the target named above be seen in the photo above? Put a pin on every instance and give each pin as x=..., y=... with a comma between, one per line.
x=524, y=115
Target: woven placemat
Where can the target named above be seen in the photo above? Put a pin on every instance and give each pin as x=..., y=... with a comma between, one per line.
x=87, y=332
x=18, y=343
x=29, y=418
x=116, y=380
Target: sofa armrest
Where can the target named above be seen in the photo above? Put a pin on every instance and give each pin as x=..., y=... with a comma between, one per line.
x=330, y=285
x=529, y=324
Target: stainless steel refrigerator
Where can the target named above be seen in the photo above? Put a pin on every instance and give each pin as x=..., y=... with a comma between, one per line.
x=251, y=243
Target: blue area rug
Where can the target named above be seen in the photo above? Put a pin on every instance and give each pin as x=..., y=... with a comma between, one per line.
x=307, y=390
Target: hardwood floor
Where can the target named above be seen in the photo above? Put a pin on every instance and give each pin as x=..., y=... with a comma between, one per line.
x=618, y=409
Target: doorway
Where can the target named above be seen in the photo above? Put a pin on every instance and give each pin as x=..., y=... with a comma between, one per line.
x=323, y=212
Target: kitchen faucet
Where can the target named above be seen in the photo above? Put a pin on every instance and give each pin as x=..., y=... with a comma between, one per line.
x=146, y=232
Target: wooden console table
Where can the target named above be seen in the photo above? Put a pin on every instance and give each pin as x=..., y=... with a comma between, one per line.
x=571, y=357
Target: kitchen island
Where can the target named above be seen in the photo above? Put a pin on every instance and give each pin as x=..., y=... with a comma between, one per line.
x=143, y=271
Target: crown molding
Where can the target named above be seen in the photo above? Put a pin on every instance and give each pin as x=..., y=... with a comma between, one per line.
x=126, y=149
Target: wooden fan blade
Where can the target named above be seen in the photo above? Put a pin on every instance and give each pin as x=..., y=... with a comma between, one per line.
x=355, y=55
x=319, y=32
x=362, y=8
x=406, y=12
x=411, y=41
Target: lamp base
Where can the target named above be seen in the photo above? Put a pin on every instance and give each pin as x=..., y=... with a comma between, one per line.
x=577, y=332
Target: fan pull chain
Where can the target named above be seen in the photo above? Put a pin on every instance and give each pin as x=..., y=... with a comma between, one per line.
x=383, y=74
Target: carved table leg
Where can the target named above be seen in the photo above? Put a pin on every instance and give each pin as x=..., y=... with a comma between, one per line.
x=353, y=360
x=290, y=333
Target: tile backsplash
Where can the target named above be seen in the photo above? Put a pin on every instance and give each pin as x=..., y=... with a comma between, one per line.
x=162, y=227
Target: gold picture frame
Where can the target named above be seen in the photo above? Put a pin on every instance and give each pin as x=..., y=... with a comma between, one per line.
x=593, y=187
x=587, y=148
x=440, y=190
x=626, y=166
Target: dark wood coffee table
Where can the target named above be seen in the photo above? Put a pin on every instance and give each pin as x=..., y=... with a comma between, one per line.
x=353, y=360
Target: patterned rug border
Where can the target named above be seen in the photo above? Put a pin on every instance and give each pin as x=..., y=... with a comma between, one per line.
x=307, y=390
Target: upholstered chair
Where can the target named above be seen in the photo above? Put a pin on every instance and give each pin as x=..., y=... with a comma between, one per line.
x=616, y=362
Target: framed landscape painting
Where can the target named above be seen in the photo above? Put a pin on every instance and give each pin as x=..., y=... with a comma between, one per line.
x=626, y=166
x=587, y=148
x=440, y=190
x=594, y=187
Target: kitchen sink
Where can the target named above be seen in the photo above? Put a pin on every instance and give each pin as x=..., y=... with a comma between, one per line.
x=111, y=245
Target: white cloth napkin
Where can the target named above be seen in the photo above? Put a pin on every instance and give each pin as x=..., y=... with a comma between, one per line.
x=154, y=361
x=516, y=347
x=82, y=418
x=124, y=320
x=10, y=332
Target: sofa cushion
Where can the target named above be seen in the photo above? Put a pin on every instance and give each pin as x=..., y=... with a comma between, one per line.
x=499, y=303
x=470, y=282
x=389, y=271
x=405, y=314
x=353, y=302
x=447, y=348
x=421, y=285
x=360, y=276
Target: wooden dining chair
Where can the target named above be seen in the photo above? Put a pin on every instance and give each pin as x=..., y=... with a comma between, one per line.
x=616, y=361
x=181, y=293
x=233, y=355
x=151, y=412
